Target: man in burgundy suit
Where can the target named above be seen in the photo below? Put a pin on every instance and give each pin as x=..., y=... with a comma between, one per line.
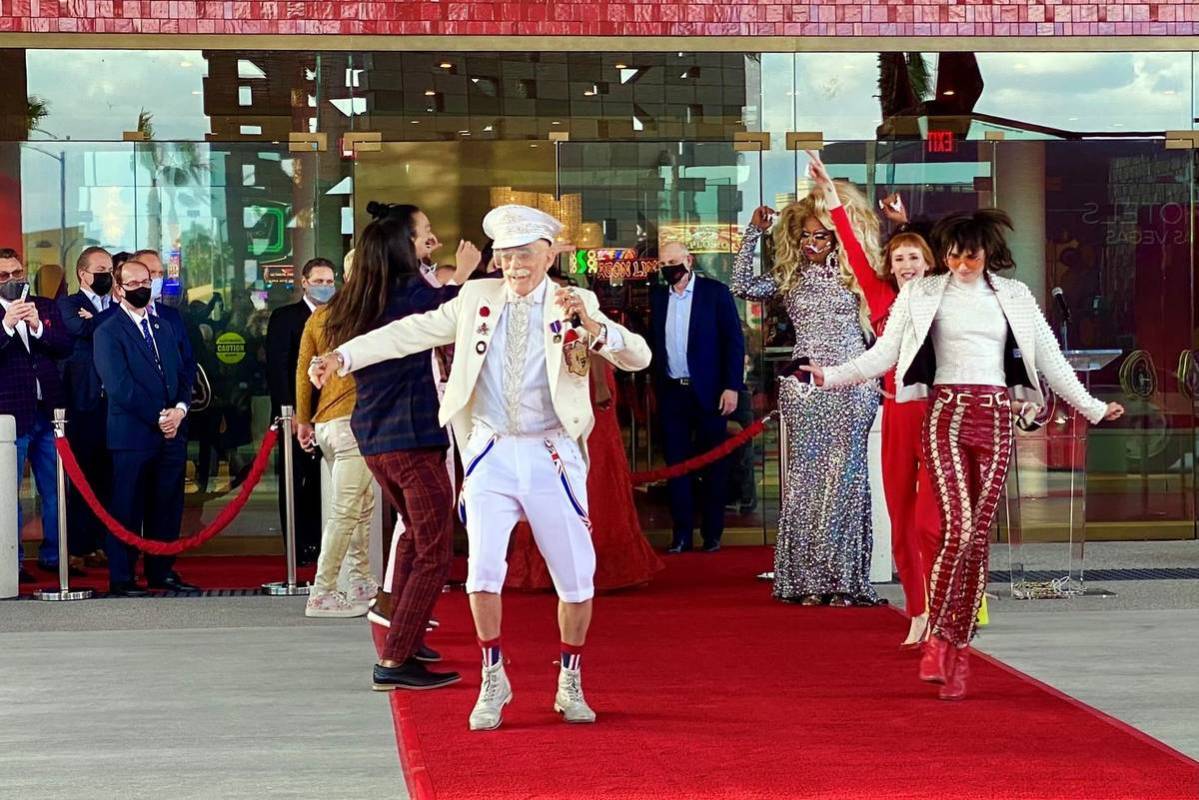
x=32, y=337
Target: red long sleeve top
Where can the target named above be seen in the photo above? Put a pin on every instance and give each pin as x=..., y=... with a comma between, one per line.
x=880, y=293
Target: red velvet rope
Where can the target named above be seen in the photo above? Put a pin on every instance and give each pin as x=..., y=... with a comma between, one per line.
x=704, y=459
x=222, y=520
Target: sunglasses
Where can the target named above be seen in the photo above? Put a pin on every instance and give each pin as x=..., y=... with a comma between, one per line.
x=15, y=275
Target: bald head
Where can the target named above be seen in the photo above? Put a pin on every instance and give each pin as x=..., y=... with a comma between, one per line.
x=674, y=253
x=675, y=262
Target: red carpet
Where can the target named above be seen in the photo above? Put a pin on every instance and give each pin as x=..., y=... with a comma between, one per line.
x=207, y=572
x=705, y=688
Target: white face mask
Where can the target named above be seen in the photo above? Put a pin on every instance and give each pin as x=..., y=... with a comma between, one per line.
x=156, y=288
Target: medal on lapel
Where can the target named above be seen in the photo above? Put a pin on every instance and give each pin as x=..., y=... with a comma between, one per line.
x=483, y=329
x=574, y=350
x=556, y=329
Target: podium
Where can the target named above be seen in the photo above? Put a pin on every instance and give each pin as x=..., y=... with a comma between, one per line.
x=1046, y=487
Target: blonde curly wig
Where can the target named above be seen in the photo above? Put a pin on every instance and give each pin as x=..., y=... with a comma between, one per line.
x=789, y=260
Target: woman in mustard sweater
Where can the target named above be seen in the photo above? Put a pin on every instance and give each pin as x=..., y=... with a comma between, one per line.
x=346, y=533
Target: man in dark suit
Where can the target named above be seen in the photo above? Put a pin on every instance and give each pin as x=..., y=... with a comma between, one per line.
x=170, y=316
x=32, y=337
x=139, y=362
x=282, y=352
x=87, y=410
x=699, y=355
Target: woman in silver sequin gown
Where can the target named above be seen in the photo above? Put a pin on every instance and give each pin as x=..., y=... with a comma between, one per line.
x=825, y=533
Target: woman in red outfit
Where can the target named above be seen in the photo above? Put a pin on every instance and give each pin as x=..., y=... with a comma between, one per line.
x=911, y=504
x=623, y=558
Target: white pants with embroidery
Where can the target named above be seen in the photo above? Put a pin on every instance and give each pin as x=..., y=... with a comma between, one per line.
x=542, y=479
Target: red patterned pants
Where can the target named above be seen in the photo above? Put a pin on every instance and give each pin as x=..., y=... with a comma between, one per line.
x=416, y=483
x=968, y=444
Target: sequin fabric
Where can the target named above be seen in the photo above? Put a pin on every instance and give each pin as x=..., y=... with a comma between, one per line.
x=825, y=535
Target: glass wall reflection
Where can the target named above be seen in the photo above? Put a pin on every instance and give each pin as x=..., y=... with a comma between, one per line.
x=1071, y=143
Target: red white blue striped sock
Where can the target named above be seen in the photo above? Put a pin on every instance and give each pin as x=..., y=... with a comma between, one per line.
x=491, y=652
x=572, y=656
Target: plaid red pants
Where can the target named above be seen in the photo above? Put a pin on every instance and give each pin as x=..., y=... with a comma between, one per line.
x=968, y=446
x=416, y=483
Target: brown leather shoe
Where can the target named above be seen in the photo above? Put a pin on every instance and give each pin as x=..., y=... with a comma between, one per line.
x=379, y=610
x=96, y=559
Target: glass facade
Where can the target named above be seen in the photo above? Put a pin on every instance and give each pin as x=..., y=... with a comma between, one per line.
x=627, y=149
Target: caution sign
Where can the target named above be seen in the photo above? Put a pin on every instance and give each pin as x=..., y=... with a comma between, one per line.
x=230, y=348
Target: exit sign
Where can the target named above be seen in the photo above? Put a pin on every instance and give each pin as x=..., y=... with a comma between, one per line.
x=940, y=141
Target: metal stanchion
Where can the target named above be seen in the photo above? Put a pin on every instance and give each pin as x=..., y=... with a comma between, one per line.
x=784, y=460
x=10, y=545
x=64, y=557
x=288, y=588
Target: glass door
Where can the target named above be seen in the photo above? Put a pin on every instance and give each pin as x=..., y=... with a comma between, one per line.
x=626, y=199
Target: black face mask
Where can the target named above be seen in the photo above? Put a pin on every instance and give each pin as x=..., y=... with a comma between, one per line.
x=101, y=283
x=673, y=273
x=138, y=298
x=11, y=291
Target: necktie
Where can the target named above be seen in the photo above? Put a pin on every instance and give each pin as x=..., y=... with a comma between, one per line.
x=515, y=346
x=150, y=342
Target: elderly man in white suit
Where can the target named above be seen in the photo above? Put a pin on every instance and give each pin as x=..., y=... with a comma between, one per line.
x=519, y=402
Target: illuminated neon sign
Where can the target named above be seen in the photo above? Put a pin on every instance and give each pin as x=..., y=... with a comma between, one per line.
x=614, y=264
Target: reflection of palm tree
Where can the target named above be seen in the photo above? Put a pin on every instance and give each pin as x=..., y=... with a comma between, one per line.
x=903, y=82
x=173, y=165
x=36, y=110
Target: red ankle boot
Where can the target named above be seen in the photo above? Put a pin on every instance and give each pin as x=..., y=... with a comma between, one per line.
x=932, y=662
x=957, y=671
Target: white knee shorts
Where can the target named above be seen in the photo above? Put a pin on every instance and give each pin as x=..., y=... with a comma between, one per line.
x=542, y=479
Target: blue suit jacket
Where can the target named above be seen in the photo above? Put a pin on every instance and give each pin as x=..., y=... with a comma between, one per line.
x=137, y=391
x=397, y=406
x=172, y=317
x=21, y=370
x=715, y=344
x=80, y=379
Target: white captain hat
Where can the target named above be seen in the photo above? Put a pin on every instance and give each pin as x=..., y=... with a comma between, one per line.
x=513, y=226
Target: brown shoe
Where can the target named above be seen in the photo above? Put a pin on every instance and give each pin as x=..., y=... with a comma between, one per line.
x=96, y=559
x=379, y=610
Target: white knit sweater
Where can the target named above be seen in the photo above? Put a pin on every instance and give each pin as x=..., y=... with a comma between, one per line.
x=911, y=321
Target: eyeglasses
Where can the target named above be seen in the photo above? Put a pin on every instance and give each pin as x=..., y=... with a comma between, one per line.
x=820, y=236
x=100, y=271
x=971, y=259
x=16, y=275
x=129, y=287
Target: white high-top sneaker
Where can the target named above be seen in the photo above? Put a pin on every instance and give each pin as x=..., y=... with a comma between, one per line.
x=494, y=694
x=569, y=700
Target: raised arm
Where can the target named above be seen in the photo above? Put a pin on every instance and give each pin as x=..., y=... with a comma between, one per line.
x=745, y=283
x=880, y=294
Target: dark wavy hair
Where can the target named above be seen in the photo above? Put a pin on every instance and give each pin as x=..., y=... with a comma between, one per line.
x=383, y=258
x=982, y=230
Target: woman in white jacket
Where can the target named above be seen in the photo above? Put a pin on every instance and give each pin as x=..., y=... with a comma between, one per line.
x=976, y=340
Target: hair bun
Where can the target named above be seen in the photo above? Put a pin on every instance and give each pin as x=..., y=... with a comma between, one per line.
x=378, y=210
